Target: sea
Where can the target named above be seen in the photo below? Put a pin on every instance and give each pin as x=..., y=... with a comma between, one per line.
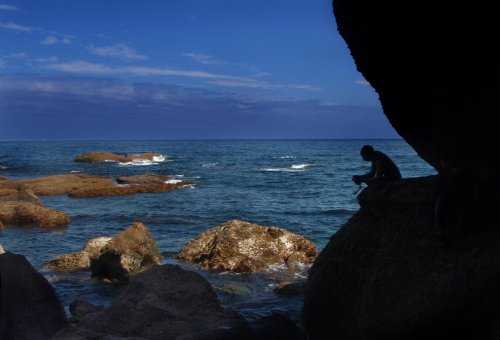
x=303, y=186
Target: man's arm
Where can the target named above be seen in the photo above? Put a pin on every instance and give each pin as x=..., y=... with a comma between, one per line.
x=358, y=179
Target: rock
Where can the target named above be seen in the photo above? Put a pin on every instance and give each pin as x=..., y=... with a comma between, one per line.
x=5, y=192
x=290, y=288
x=406, y=53
x=80, y=260
x=164, y=302
x=246, y=247
x=273, y=327
x=128, y=253
x=1, y=226
x=29, y=307
x=21, y=196
x=2, y=250
x=386, y=274
x=84, y=185
x=24, y=207
x=2, y=178
x=147, y=179
x=82, y=308
x=104, y=156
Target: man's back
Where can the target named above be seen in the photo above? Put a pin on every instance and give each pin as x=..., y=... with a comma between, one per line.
x=385, y=167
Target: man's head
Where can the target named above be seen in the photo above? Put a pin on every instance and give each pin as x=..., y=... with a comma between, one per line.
x=367, y=152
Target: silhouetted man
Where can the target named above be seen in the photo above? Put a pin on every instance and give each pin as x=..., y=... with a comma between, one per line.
x=383, y=168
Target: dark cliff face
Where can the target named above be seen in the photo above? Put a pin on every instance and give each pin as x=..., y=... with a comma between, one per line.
x=436, y=67
x=387, y=274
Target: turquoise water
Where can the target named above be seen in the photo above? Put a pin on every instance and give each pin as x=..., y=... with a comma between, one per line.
x=303, y=186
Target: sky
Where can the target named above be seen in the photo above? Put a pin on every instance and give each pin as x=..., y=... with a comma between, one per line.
x=190, y=69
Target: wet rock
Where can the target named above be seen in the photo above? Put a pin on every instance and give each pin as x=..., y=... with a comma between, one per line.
x=389, y=274
x=104, y=156
x=81, y=308
x=21, y=196
x=246, y=247
x=164, y=302
x=84, y=185
x=290, y=288
x=1, y=226
x=128, y=253
x=147, y=179
x=24, y=207
x=29, y=307
x=2, y=250
x=80, y=260
x=2, y=178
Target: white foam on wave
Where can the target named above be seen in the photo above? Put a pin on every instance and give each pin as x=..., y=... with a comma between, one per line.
x=209, y=165
x=139, y=162
x=301, y=166
x=159, y=158
x=287, y=157
x=3, y=167
x=75, y=171
x=173, y=181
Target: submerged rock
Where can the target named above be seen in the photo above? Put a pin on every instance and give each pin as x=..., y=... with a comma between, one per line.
x=104, y=156
x=24, y=207
x=81, y=308
x=29, y=307
x=164, y=302
x=389, y=274
x=290, y=288
x=80, y=260
x=246, y=247
x=128, y=253
x=85, y=185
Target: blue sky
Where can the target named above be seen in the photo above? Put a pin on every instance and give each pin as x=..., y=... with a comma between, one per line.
x=190, y=69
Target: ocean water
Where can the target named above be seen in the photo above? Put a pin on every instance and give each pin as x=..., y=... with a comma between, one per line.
x=303, y=186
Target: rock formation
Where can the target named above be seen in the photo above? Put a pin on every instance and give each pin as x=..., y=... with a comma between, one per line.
x=246, y=247
x=29, y=307
x=23, y=207
x=104, y=156
x=386, y=274
x=128, y=253
x=389, y=274
x=84, y=185
x=81, y=260
x=164, y=302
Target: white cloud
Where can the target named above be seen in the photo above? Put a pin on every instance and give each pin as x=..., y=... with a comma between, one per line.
x=203, y=58
x=5, y=7
x=49, y=40
x=16, y=27
x=84, y=67
x=117, y=50
x=66, y=41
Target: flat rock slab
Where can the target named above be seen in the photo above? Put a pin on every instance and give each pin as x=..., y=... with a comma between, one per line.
x=29, y=307
x=105, y=156
x=241, y=246
x=85, y=185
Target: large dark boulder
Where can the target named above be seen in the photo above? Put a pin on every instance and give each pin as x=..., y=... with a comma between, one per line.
x=389, y=274
x=164, y=302
x=29, y=307
x=436, y=67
